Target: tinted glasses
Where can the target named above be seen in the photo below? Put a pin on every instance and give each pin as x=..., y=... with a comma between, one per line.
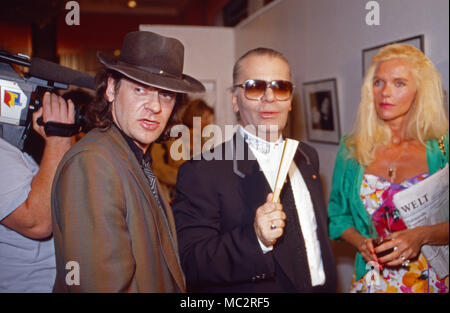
x=254, y=89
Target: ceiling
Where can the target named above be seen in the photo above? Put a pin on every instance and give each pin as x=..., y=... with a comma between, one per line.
x=39, y=27
x=170, y=8
x=199, y=12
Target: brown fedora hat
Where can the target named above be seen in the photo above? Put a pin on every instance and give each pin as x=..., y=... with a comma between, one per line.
x=154, y=60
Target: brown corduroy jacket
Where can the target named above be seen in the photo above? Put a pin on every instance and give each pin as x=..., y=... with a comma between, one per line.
x=106, y=219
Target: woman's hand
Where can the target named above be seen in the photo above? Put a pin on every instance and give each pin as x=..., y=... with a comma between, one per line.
x=367, y=250
x=360, y=242
x=406, y=245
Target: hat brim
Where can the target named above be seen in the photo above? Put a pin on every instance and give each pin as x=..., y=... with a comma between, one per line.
x=185, y=84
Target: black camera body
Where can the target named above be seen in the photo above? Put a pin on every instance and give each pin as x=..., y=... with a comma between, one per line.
x=20, y=95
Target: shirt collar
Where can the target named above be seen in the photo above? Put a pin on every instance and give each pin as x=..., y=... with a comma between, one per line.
x=257, y=143
x=140, y=155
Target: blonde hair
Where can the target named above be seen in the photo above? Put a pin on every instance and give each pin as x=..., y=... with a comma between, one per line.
x=428, y=118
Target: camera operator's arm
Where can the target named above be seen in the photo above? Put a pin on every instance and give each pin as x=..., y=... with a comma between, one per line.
x=32, y=218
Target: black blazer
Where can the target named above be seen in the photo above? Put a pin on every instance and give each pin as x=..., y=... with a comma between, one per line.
x=214, y=212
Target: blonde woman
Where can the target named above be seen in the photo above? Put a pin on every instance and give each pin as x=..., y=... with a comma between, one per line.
x=400, y=138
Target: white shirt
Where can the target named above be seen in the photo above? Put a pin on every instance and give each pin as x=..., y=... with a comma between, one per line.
x=268, y=155
x=26, y=265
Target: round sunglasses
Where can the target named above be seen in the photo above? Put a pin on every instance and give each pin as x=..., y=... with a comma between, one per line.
x=254, y=89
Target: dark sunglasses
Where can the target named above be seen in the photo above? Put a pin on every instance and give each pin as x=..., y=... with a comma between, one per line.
x=254, y=89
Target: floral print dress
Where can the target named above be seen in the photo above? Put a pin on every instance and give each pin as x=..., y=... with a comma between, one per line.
x=377, y=194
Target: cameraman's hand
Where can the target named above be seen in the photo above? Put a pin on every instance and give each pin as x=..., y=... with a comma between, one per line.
x=55, y=109
x=33, y=218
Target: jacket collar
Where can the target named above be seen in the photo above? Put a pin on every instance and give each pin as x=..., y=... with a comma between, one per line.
x=140, y=155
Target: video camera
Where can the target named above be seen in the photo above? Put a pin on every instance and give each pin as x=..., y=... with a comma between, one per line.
x=21, y=95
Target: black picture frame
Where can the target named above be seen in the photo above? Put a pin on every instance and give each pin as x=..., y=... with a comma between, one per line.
x=368, y=53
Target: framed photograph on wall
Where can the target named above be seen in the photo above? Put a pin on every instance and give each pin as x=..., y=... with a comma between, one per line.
x=321, y=111
x=367, y=54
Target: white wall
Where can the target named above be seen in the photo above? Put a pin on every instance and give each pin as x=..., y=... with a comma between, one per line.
x=209, y=55
x=324, y=39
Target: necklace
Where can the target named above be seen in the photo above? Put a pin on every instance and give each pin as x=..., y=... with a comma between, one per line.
x=392, y=168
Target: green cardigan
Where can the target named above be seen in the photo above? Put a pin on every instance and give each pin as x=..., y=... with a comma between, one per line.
x=346, y=209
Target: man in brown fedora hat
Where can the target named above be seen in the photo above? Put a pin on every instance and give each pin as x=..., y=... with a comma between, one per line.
x=113, y=229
